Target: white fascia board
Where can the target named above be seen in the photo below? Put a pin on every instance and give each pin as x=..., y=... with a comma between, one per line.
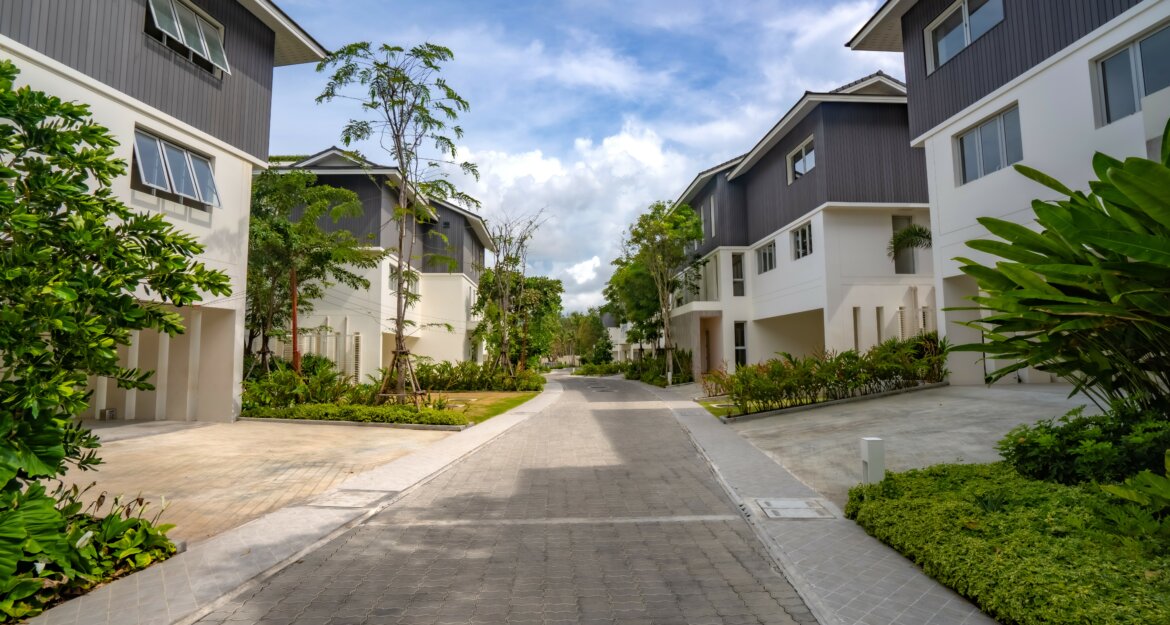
x=21, y=51
x=883, y=31
x=293, y=45
x=874, y=79
x=701, y=180
x=798, y=113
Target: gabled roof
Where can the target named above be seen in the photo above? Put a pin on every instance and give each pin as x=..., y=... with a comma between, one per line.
x=873, y=88
x=883, y=31
x=293, y=45
x=336, y=161
x=704, y=177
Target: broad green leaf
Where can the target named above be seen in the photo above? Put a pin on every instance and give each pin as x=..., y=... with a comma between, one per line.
x=1043, y=179
x=1133, y=245
x=1148, y=184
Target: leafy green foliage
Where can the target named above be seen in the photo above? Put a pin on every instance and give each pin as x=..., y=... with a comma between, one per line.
x=605, y=368
x=1077, y=448
x=472, y=376
x=520, y=316
x=652, y=369
x=1026, y=552
x=390, y=413
x=1086, y=297
x=913, y=236
x=790, y=381
x=74, y=261
x=1147, y=515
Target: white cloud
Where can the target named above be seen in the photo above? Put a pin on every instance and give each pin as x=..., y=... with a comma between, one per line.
x=584, y=271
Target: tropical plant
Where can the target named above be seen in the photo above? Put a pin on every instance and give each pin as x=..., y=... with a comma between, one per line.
x=1147, y=513
x=913, y=236
x=1086, y=296
x=503, y=300
x=411, y=106
x=75, y=261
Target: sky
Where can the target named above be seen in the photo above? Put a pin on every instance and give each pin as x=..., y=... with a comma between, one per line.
x=589, y=110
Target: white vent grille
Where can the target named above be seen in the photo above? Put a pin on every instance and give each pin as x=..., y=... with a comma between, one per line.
x=903, y=331
x=357, y=355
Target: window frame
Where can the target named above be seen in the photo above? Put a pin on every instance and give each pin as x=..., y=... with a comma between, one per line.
x=738, y=282
x=908, y=255
x=170, y=191
x=806, y=148
x=1001, y=134
x=203, y=24
x=932, y=64
x=1136, y=73
x=739, y=331
x=766, y=252
x=802, y=245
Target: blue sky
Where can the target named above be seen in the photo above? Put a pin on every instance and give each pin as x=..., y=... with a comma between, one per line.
x=590, y=109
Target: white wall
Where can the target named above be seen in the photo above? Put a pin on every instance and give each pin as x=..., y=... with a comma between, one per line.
x=1059, y=127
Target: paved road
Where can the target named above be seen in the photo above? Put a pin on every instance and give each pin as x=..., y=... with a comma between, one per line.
x=598, y=510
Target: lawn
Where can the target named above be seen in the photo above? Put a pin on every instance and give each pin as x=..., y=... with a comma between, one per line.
x=479, y=406
x=719, y=406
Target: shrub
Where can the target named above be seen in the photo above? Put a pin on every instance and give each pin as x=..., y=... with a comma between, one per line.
x=1086, y=298
x=360, y=414
x=652, y=369
x=472, y=376
x=1026, y=552
x=797, y=381
x=609, y=368
x=1077, y=448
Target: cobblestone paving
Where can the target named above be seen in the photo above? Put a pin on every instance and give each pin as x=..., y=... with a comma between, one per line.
x=597, y=511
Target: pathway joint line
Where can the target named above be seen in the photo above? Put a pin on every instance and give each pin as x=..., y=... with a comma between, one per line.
x=692, y=518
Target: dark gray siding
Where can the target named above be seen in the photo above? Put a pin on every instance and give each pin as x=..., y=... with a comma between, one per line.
x=731, y=223
x=372, y=225
x=106, y=40
x=1032, y=30
x=771, y=202
x=460, y=252
x=867, y=155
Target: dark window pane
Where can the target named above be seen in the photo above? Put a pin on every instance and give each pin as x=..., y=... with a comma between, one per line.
x=970, y=155
x=1117, y=78
x=904, y=259
x=151, y=169
x=989, y=146
x=737, y=266
x=984, y=14
x=948, y=38
x=810, y=158
x=797, y=165
x=1156, y=61
x=1014, y=143
x=740, y=332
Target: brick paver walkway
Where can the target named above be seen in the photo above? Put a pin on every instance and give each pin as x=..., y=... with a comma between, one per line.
x=598, y=510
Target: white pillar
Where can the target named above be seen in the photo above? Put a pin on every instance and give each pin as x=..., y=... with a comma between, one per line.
x=344, y=364
x=194, y=340
x=873, y=460
x=161, y=374
x=132, y=363
x=99, y=396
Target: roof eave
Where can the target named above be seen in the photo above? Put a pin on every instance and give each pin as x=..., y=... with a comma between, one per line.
x=294, y=45
x=883, y=29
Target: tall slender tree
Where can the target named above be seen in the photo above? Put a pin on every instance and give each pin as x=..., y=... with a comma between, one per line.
x=410, y=108
x=501, y=287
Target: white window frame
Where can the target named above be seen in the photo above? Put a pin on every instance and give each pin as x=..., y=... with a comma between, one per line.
x=188, y=156
x=802, y=151
x=766, y=252
x=203, y=23
x=1135, y=69
x=802, y=245
x=714, y=218
x=738, y=347
x=932, y=63
x=741, y=280
x=1000, y=127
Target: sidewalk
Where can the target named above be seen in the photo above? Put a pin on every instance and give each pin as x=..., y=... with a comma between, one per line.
x=189, y=585
x=845, y=576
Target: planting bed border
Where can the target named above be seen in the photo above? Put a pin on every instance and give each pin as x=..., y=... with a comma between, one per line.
x=397, y=426
x=836, y=402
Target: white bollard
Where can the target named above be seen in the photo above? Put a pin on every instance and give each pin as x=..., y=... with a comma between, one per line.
x=873, y=460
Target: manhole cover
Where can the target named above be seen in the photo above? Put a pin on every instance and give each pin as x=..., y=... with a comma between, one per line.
x=794, y=509
x=350, y=499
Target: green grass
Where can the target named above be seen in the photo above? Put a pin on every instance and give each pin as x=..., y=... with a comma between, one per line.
x=481, y=406
x=720, y=411
x=1026, y=552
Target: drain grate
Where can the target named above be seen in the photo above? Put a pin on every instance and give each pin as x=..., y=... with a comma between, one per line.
x=794, y=508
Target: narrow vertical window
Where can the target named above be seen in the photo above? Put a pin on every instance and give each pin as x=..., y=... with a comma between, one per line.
x=802, y=241
x=737, y=279
x=904, y=259
x=801, y=160
x=1117, y=80
x=766, y=257
x=740, y=344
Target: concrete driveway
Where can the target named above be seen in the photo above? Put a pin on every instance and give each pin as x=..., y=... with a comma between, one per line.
x=953, y=424
x=217, y=476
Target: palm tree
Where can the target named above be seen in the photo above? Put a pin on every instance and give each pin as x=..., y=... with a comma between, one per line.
x=914, y=236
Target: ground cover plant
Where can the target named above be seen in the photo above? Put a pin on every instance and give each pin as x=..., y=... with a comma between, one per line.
x=73, y=259
x=386, y=413
x=1027, y=552
x=604, y=368
x=790, y=381
x=653, y=369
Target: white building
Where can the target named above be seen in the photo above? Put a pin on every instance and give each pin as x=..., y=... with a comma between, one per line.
x=185, y=86
x=997, y=82
x=356, y=326
x=796, y=231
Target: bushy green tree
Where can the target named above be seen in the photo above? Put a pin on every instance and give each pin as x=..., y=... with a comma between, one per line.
x=1087, y=297
x=75, y=263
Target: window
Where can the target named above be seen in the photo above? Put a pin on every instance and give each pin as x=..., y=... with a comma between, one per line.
x=766, y=257
x=904, y=259
x=802, y=241
x=801, y=161
x=189, y=33
x=991, y=146
x=955, y=29
x=740, y=344
x=166, y=167
x=737, y=281
x=1139, y=69
x=714, y=217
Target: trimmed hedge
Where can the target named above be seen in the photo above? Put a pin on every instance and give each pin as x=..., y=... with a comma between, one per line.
x=360, y=414
x=608, y=368
x=1027, y=552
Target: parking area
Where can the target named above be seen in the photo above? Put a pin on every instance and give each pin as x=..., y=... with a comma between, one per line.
x=216, y=476
x=821, y=446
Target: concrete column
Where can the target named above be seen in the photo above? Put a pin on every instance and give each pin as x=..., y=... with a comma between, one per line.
x=195, y=340
x=162, y=371
x=100, y=401
x=343, y=360
x=132, y=363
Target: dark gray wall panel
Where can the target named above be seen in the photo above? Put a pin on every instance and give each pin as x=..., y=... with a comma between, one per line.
x=771, y=202
x=867, y=154
x=371, y=226
x=105, y=39
x=1032, y=31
